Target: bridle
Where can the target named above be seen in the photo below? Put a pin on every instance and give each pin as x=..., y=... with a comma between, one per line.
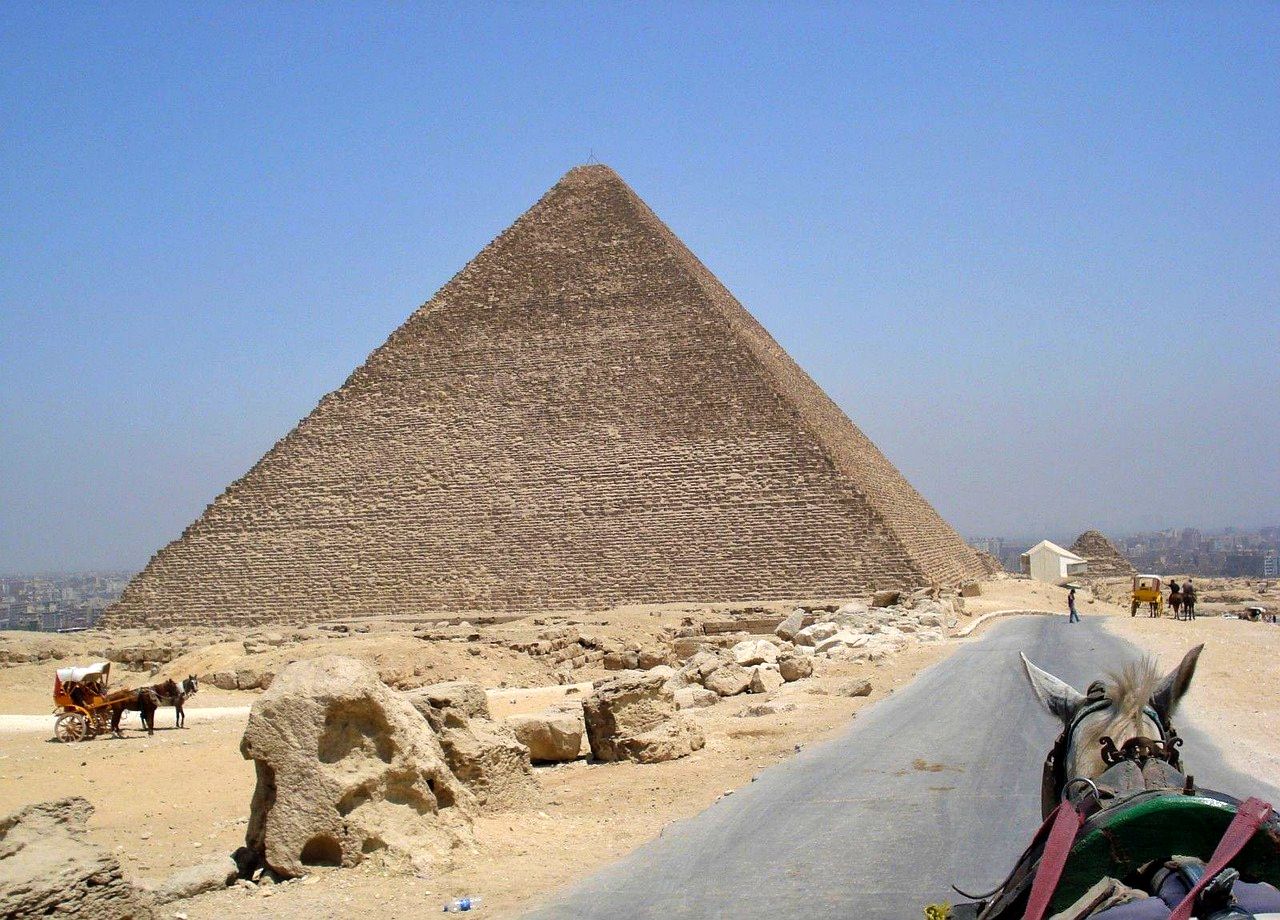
x=1055, y=782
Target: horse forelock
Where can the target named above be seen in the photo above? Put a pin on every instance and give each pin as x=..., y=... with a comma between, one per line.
x=1128, y=693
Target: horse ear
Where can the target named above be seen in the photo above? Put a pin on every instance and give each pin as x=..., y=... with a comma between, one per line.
x=1060, y=698
x=1173, y=687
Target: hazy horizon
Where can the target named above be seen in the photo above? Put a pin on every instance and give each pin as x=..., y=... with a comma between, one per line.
x=1030, y=253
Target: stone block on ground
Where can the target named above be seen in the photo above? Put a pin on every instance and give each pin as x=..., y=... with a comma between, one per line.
x=886, y=598
x=765, y=679
x=788, y=628
x=728, y=680
x=754, y=651
x=635, y=718
x=464, y=696
x=855, y=688
x=552, y=736
x=841, y=640
x=492, y=762
x=695, y=698
x=347, y=767
x=48, y=867
x=187, y=883
x=812, y=635
x=795, y=667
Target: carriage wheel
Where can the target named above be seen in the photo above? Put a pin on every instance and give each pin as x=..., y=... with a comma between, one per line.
x=71, y=726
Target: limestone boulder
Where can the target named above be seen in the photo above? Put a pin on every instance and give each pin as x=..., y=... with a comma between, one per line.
x=189, y=882
x=695, y=698
x=886, y=598
x=841, y=640
x=728, y=680
x=48, y=867
x=552, y=736
x=492, y=762
x=462, y=696
x=754, y=651
x=223, y=680
x=703, y=664
x=765, y=679
x=347, y=767
x=795, y=667
x=812, y=635
x=635, y=718
x=787, y=629
x=859, y=687
x=853, y=608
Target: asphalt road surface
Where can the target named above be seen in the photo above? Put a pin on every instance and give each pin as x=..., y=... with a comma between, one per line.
x=939, y=783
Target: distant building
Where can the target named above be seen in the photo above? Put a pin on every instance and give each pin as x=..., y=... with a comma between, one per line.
x=1050, y=563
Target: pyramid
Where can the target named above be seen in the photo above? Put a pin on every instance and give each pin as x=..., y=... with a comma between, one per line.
x=582, y=417
x=1105, y=561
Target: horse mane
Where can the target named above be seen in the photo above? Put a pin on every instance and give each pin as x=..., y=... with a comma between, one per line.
x=1131, y=688
x=1129, y=691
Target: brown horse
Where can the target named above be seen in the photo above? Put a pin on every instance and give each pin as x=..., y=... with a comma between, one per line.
x=171, y=693
x=1175, y=602
x=143, y=701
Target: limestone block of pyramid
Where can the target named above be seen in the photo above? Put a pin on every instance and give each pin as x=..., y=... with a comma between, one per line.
x=582, y=417
x=1105, y=560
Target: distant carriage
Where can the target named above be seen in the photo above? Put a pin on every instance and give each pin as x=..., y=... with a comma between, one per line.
x=86, y=707
x=1147, y=590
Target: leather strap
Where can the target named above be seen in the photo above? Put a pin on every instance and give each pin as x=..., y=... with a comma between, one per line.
x=1066, y=825
x=1250, y=816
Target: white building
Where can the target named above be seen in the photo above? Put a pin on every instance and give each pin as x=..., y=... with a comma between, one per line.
x=1050, y=563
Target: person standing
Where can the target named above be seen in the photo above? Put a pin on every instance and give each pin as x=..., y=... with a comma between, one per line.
x=1071, y=606
x=1189, y=600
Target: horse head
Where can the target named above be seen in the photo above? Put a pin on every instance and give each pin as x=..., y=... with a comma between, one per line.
x=190, y=685
x=1125, y=715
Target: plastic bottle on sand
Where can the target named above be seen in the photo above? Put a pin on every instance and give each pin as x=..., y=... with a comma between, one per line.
x=458, y=905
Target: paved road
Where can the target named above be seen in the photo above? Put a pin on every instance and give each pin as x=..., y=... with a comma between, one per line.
x=856, y=828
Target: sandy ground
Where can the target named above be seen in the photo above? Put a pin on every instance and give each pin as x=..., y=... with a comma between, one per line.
x=181, y=797
x=1235, y=696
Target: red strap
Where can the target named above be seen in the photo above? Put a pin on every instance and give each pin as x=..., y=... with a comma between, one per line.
x=1249, y=817
x=1066, y=824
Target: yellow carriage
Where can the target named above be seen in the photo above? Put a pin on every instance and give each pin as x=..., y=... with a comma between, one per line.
x=1147, y=590
x=84, y=707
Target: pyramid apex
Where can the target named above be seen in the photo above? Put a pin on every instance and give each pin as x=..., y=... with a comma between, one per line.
x=592, y=173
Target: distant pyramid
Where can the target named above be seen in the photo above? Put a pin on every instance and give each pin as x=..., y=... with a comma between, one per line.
x=582, y=417
x=1105, y=561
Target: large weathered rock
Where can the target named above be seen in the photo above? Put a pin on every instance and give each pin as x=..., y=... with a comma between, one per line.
x=634, y=718
x=48, y=867
x=347, y=767
x=788, y=628
x=754, y=651
x=463, y=696
x=187, y=883
x=795, y=667
x=552, y=736
x=492, y=762
x=728, y=680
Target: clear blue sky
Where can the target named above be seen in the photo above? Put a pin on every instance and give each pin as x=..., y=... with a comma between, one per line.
x=1021, y=245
